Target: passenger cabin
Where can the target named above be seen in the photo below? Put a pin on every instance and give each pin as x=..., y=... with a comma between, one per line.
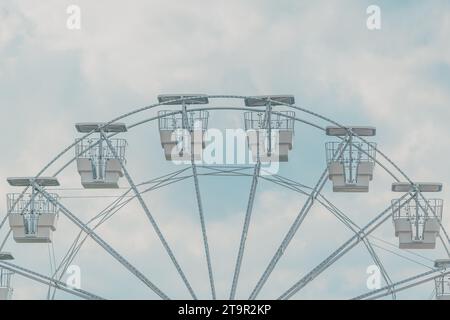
x=417, y=223
x=6, y=289
x=350, y=163
x=99, y=166
x=442, y=283
x=32, y=216
x=182, y=132
x=269, y=133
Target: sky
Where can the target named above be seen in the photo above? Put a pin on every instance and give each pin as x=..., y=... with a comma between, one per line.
x=396, y=79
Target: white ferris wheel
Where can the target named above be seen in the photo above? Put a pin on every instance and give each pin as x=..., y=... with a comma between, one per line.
x=99, y=153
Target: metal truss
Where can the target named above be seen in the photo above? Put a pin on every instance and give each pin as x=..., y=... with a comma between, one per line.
x=342, y=250
x=102, y=243
x=404, y=284
x=248, y=214
x=48, y=281
x=313, y=194
x=200, y=209
x=296, y=224
x=151, y=218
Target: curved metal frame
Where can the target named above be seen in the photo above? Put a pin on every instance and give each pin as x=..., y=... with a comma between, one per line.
x=314, y=195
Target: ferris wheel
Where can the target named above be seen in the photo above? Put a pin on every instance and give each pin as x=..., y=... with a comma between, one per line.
x=99, y=155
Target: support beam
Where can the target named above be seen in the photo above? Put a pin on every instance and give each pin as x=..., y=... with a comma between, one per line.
x=380, y=265
x=103, y=243
x=48, y=281
x=204, y=233
x=404, y=284
x=108, y=212
x=356, y=229
x=248, y=214
x=150, y=217
x=200, y=206
x=343, y=249
x=295, y=226
x=2, y=245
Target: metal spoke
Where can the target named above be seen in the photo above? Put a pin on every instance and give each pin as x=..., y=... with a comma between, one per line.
x=150, y=217
x=2, y=245
x=380, y=265
x=356, y=229
x=347, y=222
x=107, y=213
x=295, y=226
x=104, y=215
x=343, y=249
x=404, y=284
x=248, y=214
x=48, y=281
x=187, y=126
x=101, y=242
x=204, y=233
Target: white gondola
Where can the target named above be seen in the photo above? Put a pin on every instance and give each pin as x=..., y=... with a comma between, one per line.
x=417, y=223
x=183, y=133
x=179, y=140
x=270, y=145
x=6, y=290
x=32, y=217
x=442, y=283
x=269, y=134
x=98, y=166
x=350, y=169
